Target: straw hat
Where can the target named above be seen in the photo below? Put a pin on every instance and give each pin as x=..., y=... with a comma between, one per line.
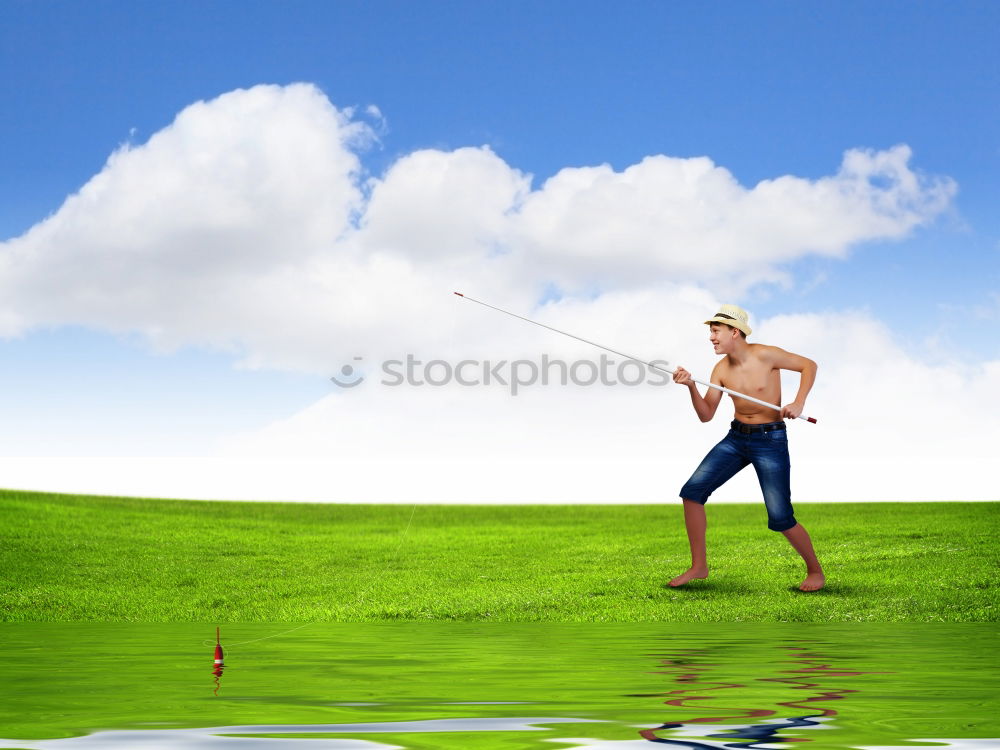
x=734, y=316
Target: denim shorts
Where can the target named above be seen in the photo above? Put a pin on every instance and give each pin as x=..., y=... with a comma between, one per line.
x=767, y=449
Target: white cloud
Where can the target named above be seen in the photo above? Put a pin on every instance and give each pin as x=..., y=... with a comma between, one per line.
x=435, y=205
x=243, y=226
x=690, y=219
x=248, y=225
x=174, y=237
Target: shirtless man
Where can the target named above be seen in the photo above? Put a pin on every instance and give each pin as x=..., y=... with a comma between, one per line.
x=757, y=436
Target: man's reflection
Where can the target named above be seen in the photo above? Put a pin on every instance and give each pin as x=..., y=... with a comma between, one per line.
x=690, y=669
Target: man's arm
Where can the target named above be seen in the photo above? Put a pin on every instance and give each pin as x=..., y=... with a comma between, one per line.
x=706, y=405
x=783, y=360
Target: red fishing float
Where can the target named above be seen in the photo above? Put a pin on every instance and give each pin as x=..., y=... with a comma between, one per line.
x=218, y=649
x=219, y=666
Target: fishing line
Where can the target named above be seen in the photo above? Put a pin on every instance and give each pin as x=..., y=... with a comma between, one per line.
x=229, y=646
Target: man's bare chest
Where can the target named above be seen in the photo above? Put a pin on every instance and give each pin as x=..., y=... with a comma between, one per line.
x=752, y=379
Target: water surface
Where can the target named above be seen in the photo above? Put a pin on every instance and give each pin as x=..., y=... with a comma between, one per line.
x=496, y=685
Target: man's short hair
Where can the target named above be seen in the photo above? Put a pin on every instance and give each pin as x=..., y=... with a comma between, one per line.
x=734, y=328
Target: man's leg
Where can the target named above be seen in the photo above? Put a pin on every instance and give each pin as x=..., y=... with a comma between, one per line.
x=695, y=523
x=717, y=468
x=770, y=461
x=800, y=540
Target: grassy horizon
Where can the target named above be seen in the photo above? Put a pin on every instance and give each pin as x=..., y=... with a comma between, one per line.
x=111, y=559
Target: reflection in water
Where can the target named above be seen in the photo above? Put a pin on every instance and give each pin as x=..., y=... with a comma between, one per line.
x=939, y=743
x=690, y=667
x=283, y=737
x=222, y=738
x=441, y=687
x=219, y=663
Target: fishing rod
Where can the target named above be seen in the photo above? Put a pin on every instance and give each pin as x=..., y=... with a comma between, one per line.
x=629, y=356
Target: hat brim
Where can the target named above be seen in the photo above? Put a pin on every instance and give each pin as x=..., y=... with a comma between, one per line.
x=731, y=322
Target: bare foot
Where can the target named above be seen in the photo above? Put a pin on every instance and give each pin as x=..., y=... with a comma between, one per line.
x=687, y=575
x=813, y=582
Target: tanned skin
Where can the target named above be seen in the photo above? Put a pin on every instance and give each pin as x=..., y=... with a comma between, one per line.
x=752, y=369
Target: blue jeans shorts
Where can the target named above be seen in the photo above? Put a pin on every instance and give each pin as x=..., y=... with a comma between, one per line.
x=766, y=447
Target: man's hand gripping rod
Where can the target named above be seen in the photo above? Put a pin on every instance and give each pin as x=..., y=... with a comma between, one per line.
x=629, y=356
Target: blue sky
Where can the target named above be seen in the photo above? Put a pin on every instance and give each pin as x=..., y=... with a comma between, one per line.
x=762, y=89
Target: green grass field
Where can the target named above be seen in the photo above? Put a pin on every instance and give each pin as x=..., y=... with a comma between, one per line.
x=71, y=558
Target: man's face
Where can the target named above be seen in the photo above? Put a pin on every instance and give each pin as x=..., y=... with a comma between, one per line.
x=722, y=337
